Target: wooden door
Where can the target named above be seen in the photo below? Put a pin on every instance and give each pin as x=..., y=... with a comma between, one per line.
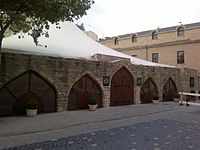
x=27, y=86
x=169, y=90
x=19, y=106
x=122, y=88
x=83, y=90
x=148, y=90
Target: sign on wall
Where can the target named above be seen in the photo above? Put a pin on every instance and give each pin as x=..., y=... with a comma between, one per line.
x=139, y=81
x=106, y=80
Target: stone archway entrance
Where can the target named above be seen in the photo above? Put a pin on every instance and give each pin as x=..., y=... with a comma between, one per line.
x=83, y=90
x=148, y=90
x=169, y=90
x=27, y=86
x=122, y=88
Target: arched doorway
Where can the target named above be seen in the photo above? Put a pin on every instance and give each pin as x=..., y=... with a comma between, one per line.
x=122, y=88
x=27, y=86
x=169, y=90
x=148, y=90
x=83, y=90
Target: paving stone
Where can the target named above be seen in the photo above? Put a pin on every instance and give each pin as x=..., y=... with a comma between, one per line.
x=159, y=131
x=168, y=138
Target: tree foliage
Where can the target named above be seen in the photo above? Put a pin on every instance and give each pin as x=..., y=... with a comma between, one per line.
x=34, y=16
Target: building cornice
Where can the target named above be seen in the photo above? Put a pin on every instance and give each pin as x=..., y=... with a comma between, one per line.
x=148, y=32
x=173, y=43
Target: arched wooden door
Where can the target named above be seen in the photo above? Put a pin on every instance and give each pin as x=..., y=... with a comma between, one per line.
x=27, y=86
x=148, y=90
x=169, y=90
x=122, y=88
x=83, y=90
x=19, y=104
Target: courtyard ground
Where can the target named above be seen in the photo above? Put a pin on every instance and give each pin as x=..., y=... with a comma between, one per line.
x=166, y=126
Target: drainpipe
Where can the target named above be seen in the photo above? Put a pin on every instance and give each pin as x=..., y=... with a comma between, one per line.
x=146, y=52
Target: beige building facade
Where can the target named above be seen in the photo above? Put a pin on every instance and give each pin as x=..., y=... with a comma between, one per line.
x=177, y=45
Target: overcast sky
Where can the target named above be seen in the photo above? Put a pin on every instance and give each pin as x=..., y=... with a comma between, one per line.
x=117, y=17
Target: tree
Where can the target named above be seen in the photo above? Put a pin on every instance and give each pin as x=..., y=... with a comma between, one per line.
x=34, y=16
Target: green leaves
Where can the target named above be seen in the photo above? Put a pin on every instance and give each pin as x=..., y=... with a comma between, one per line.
x=33, y=16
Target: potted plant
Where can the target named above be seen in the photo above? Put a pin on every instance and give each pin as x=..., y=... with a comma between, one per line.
x=177, y=97
x=92, y=103
x=155, y=99
x=31, y=108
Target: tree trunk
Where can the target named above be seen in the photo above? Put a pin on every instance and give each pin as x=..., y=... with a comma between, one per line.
x=1, y=39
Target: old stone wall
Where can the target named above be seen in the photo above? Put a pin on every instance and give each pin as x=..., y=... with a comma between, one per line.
x=63, y=73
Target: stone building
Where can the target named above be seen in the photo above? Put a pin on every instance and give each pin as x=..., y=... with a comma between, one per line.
x=176, y=45
x=91, y=34
x=62, y=74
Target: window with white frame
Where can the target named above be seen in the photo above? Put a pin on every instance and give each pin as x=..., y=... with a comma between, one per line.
x=134, y=38
x=155, y=57
x=180, y=31
x=154, y=35
x=180, y=57
x=116, y=41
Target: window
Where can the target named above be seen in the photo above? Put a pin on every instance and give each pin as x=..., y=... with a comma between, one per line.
x=180, y=57
x=134, y=55
x=180, y=31
x=154, y=35
x=116, y=41
x=134, y=39
x=191, y=81
x=155, y=57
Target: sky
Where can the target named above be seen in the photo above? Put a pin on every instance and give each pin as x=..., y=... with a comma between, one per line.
x=109, y=18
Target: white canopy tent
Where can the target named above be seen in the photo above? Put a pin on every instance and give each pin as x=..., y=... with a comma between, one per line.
x=67, y=42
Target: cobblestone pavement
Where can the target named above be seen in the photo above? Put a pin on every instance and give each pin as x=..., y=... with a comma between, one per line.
x=161, y=134
x=175, y=129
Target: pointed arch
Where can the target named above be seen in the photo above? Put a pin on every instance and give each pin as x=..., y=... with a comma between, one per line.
x=122, y=88
x=83, y=90
x=26, y=86
x=148, y=90
x=169, y=90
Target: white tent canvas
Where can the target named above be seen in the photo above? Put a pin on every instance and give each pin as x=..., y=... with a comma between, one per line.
x=67, y=42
